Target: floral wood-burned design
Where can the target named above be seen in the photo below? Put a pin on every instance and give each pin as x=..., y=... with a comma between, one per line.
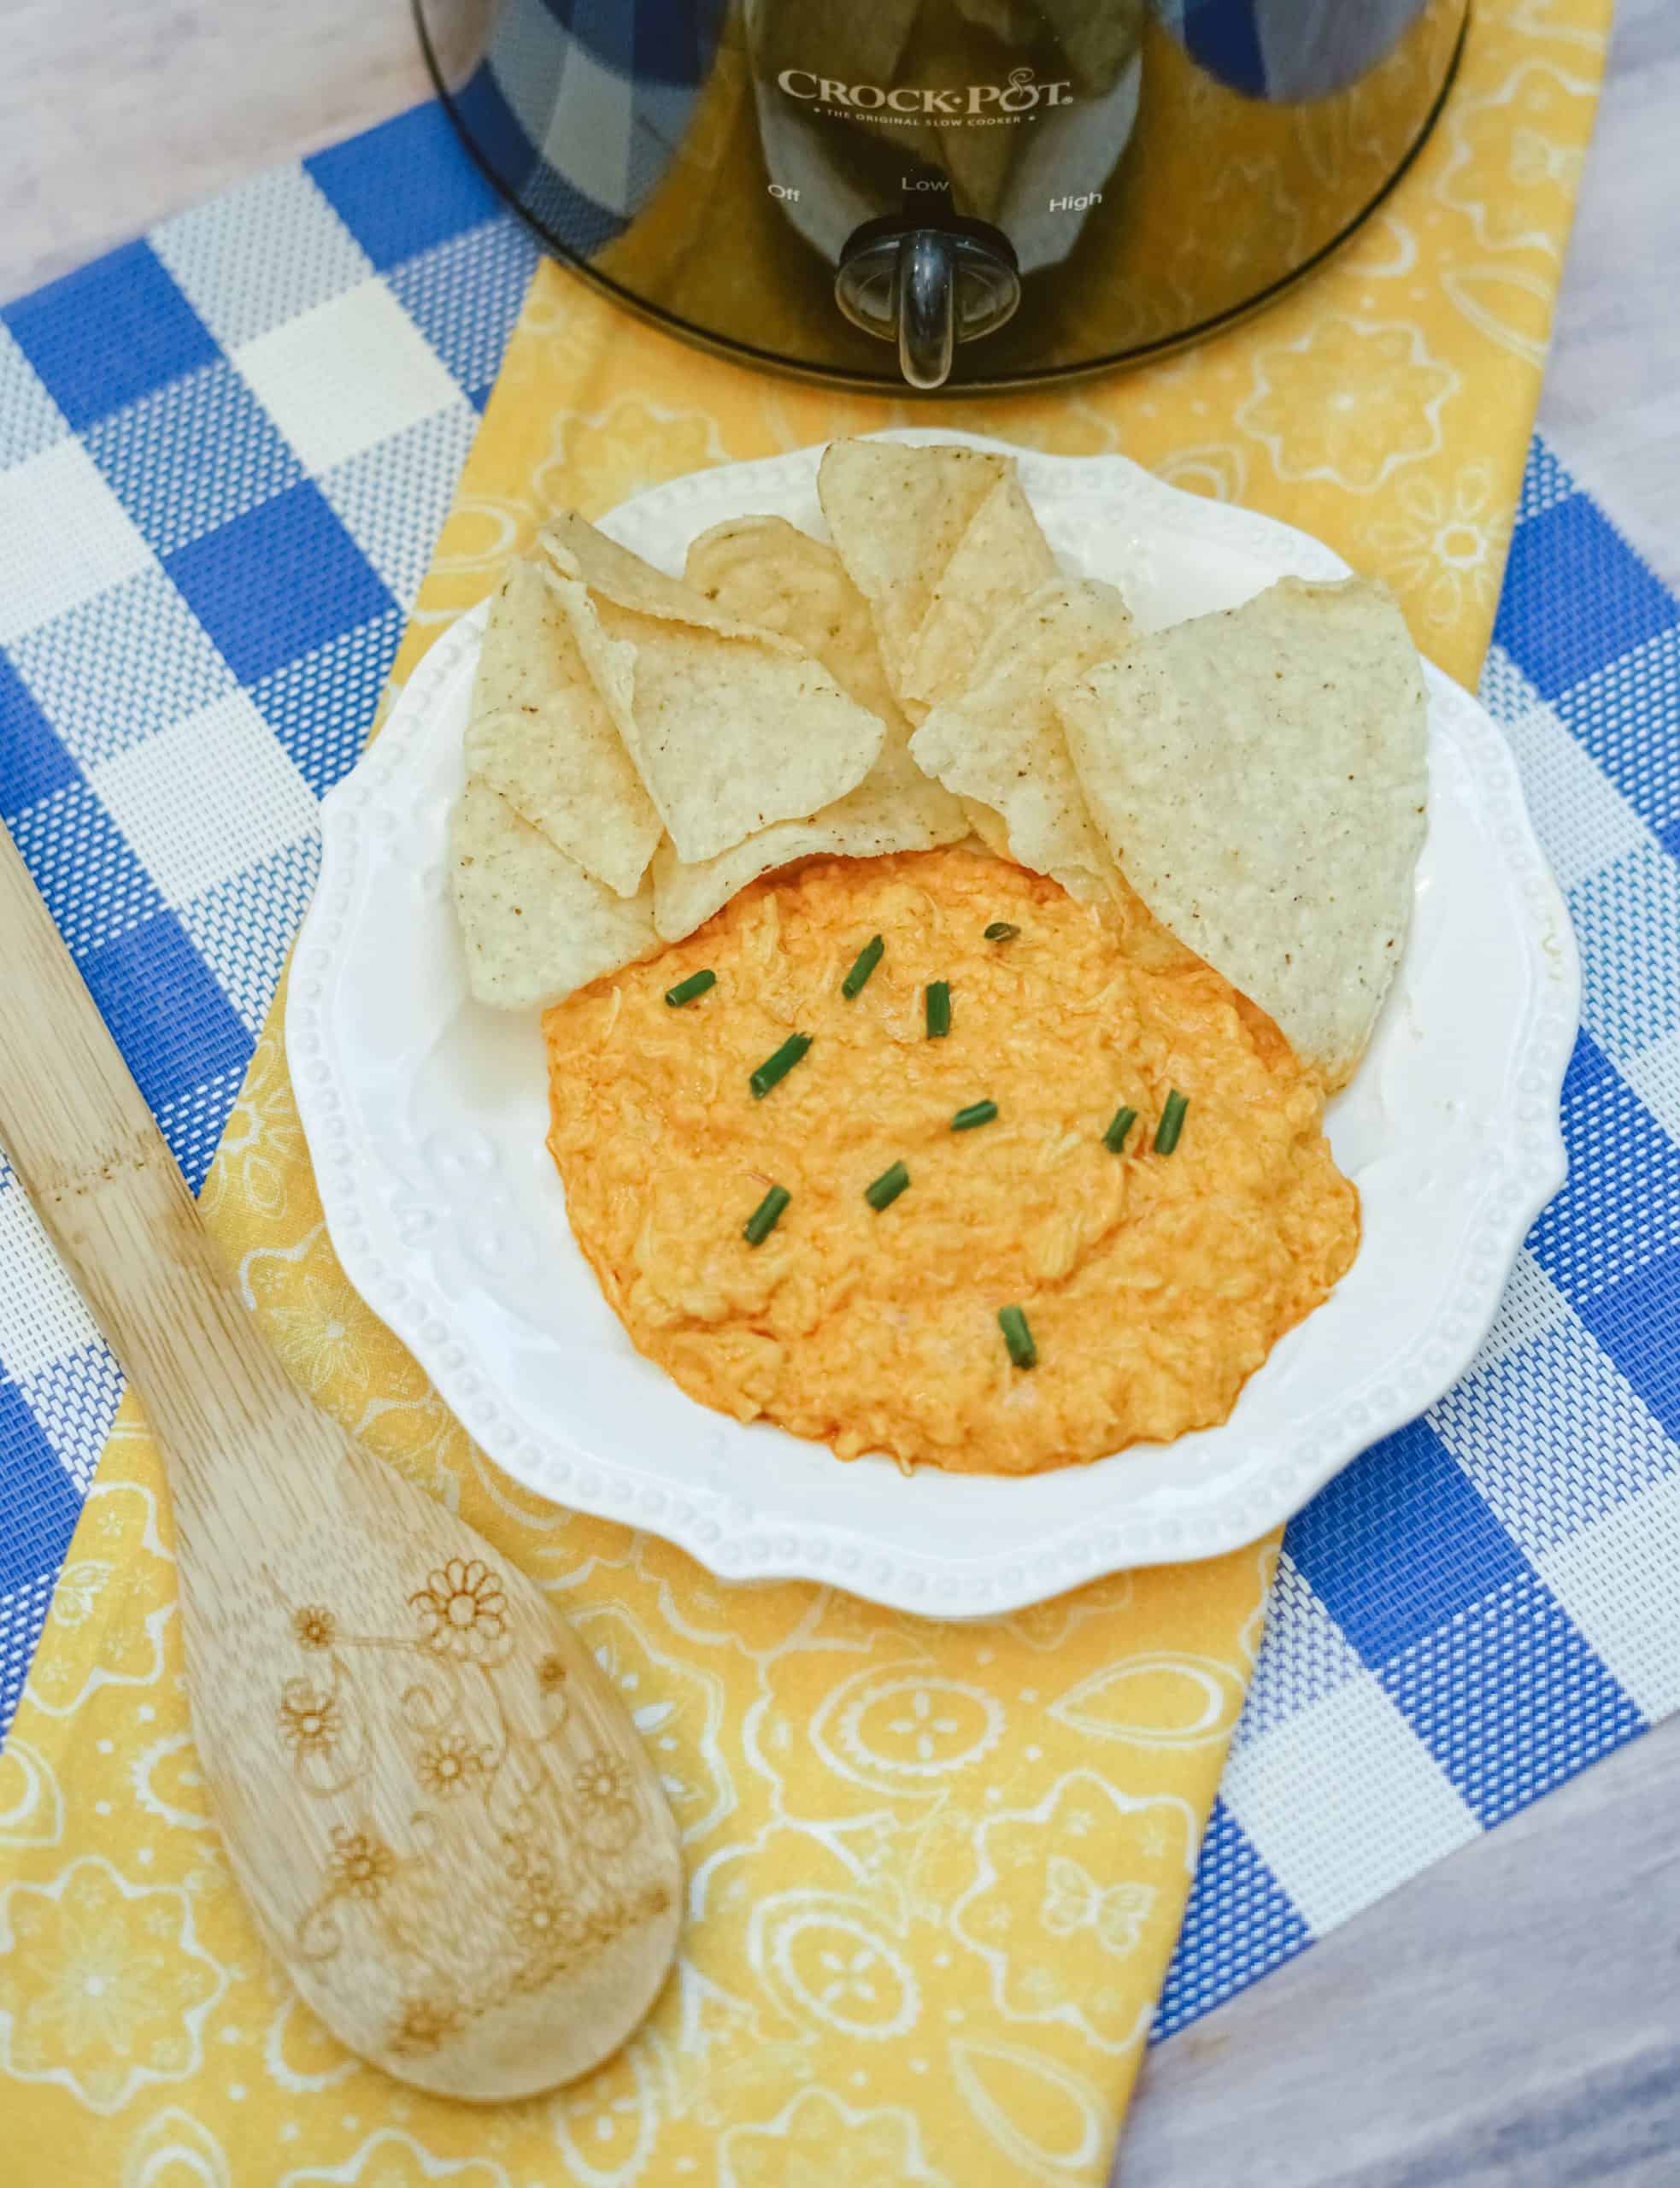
x=477, y=1727
x=451, y=1765
x=327, y=1744
x=361, y=1865
x=315, y=1626
x=310, y=1722
x=464, y=1612
x=602, y=1783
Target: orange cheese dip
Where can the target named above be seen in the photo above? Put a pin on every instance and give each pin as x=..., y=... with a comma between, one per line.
x=1154, y=1284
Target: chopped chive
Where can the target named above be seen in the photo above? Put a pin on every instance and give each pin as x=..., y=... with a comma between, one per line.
x=766, y=1215
x=1018, y=1336
x=686, y=990
x=862, y=966
x=1115, y=1139
x=776, y=1067
x=938, y=1001
x=887, y=1187
x=1002, y=931
x=1172, y=1122
x=976, y=1113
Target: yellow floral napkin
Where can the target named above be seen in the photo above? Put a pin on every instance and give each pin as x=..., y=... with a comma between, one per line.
x=935, y=1871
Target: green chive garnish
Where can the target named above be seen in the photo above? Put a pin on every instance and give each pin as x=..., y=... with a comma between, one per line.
x=1001, y=930
x=862, y=966
x=938, y=1010
x=1018, y=1336
x=776, y=1067
x=887, y=1187
x=1115, y=1139
x=976, y=1113
x=1172, y=1122
x=686, y=990
x=766, y=1215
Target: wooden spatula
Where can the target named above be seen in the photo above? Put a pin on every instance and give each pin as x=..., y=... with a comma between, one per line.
x=444, y=1820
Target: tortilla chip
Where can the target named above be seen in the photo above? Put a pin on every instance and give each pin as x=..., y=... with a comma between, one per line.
x=987, y=827
x=524, y=640
x=897, y=514
x=613, y=572
x=732, y=727
x=1001, y=558
x=543, y=735
x=535, y=924
x=685, y=895
x=765, y=571
x=1261, y=775
x=999, y=743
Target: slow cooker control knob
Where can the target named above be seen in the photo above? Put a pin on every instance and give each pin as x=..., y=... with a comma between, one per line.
x=927, y=289
x=925, y=305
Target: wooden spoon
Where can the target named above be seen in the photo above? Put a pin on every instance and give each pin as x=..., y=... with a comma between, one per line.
x=444, y=1820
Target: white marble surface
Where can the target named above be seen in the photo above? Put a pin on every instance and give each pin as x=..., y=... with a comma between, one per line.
x=1512, y=2019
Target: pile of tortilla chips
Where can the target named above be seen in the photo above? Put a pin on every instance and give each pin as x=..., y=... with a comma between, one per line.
x=642, y=747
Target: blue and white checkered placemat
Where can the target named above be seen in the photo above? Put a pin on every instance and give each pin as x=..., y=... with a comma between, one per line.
x=225, y=453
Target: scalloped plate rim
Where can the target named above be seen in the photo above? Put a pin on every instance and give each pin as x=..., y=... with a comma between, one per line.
x=914, y=1577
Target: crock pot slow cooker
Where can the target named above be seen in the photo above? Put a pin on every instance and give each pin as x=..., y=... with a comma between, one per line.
x=952, y=194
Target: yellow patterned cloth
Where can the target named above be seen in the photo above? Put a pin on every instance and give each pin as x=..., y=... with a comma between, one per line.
x=935, y=1871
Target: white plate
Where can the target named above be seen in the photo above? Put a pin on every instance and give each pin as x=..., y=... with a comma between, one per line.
x=426, y=1116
